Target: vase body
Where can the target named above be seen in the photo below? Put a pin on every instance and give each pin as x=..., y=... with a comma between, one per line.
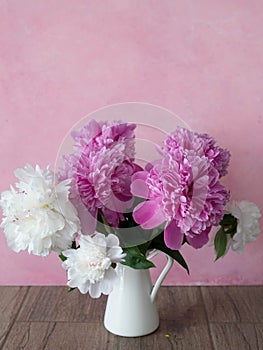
x=131, y=310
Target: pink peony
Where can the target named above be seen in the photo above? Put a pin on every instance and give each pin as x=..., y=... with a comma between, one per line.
x=101, y=169
x=183, y=190
x=183, y=141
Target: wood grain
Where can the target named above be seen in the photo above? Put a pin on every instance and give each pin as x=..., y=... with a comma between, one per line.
x=182, y=305
x=11, y=299
x=57, y=304
x=259, y=335
x=168, y=336
x=123, y=343
x=68, y=336
x=190, y=318
x=4, y=328
x=233, y=336
x=234, y=304
x=29, y=335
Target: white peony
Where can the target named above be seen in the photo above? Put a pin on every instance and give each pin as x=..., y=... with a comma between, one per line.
x=38, y=216
x=247, y=214
x=89, y=266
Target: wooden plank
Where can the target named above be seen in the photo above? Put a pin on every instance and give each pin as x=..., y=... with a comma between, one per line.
x=232, y=336
x=4, y=327
x=90, y=336
x=259, y=335
x=182, y=305
x=51, y=317
x=234, y=304
x=57, y=304
x=123, y=343
x=60, y=335
x=169, y=336
x=29, y=336
x=11, y=299
x=183, y=323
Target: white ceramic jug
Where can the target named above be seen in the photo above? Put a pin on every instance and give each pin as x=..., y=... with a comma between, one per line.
x=131, y=309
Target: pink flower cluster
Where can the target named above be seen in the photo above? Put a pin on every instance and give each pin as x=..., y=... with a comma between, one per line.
x=182, y=189
x=101, y=168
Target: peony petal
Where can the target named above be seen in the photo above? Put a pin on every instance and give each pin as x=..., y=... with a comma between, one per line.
x=115, y=254
x=139, y=188
x=199, y=240
x=99, y=241
x=109, y=280
x=148, y=214
x=156, y=220
x=116, y=205
x=112, y=240
x=144, y=211
x=173, y=236
x=83, y=288
x=94, y=290
x=140, y=175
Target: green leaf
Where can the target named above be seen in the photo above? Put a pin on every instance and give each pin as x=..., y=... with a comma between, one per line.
x=228, y=219
x=229, y=224
x=74, y=245
x=220, y=243
x=158, y=243
x=62, y=257
x=144, y=247
x=135, y=259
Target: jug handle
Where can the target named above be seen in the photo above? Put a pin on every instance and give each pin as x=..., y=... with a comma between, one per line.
x=162, y=275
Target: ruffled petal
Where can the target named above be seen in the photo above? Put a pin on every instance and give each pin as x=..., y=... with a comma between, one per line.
x=109, y=281
x=199, y=240
x=148, y=214
x=112, y=240
x=140, y=175
x=139, y=188
x=173, y=236
x=116, y=205
x=94, y=290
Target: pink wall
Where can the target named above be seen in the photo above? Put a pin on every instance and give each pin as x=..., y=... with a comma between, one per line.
x=60, y=60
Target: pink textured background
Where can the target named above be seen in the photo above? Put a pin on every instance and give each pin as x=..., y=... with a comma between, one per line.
x=60, y=60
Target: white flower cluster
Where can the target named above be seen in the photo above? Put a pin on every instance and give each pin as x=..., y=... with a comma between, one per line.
x=247, y=215
x=38, y=216
x=89, y=266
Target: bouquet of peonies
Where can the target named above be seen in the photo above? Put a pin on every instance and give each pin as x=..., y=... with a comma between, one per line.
x=102, y=208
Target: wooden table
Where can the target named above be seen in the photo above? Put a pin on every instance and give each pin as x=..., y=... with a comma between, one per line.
x=190, y=318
